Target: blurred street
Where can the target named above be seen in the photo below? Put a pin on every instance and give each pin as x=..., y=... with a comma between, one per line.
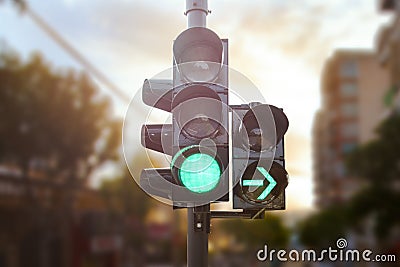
x=69, y=69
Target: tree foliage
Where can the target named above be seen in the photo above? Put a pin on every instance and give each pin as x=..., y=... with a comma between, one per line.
x=256, y=233
x=53, y=121
x=377, y=164
x=124, y=197
x=321, y=229
x=380, y=203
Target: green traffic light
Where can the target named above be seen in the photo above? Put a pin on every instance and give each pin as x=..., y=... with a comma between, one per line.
x=200, y=173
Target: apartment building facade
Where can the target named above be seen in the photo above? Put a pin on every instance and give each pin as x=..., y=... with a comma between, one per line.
x=353, y=86
x=388, y=50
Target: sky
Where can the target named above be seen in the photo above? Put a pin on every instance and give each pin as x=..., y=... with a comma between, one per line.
x=281, y=46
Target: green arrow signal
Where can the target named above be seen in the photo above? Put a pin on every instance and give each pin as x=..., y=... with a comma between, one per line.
x=270, y=187
x=253, y=182
x=268, y=177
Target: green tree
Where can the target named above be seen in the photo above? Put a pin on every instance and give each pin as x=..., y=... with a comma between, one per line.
x=55, y=130
x=378, y=163
x=320, y=230
x=123, y=197
x=127, y=203
x=54, y=122
x=256, y=233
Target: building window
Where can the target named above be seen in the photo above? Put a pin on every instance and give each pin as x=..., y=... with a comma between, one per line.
x=348, y=147
x=349, y=129
x=349, y=109
x=339, y=169
x=349, y=69
x=348, y=89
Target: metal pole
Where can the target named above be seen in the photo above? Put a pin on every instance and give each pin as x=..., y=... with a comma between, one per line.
x=197, y=238
x=197, y=11
x=198, y=218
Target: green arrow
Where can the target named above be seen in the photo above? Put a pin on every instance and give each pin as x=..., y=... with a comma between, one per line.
x=253, y=182
x=270, y=187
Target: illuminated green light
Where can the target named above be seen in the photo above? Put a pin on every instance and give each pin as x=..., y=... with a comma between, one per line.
x=270, y=187
x=253, y=182
x=200, y=173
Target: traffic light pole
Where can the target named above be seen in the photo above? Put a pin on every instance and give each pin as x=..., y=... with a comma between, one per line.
x=196, y=12
x=198, y=218
x=197, y=237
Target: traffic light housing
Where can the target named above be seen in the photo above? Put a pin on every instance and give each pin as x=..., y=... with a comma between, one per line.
x=198, y=137
x=258, y=162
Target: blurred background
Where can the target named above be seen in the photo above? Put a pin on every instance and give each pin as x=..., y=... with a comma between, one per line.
x=68, y=69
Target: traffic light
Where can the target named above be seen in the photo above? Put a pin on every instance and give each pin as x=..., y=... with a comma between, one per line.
x=258, y=162
x=198, y=137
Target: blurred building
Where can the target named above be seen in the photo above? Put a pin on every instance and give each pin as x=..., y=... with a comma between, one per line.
x=388, y=45
x=353, y=87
